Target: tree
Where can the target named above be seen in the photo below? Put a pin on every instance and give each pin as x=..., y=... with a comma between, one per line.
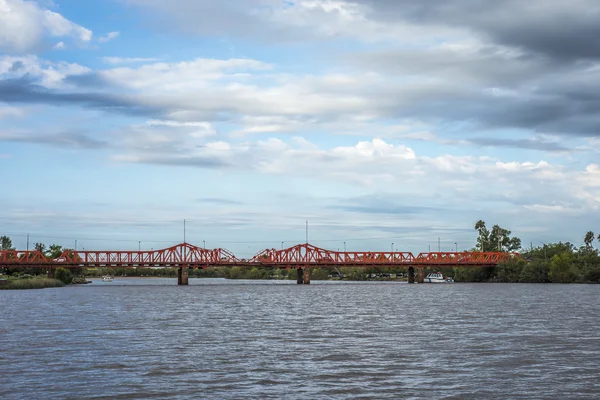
x=41, y=247
x=589, y=238
x=496, y=239
x=55, y=251
x=5, y=243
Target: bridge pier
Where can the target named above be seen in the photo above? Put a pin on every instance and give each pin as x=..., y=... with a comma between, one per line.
x=51, y=273
x=411, y=275
x=303, y=277
x=421, y=275
x=182, y=275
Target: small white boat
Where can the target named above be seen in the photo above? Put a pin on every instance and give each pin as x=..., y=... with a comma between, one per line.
x=437, y=277
x=107, y=278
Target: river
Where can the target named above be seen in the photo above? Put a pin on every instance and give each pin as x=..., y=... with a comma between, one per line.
x=226, y=339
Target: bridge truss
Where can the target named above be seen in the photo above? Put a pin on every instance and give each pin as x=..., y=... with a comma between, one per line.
x=299, y=256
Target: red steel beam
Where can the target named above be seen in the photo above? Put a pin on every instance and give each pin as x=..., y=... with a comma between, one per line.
x=300, y=255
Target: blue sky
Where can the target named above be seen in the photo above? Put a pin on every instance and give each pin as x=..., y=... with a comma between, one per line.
x=377, y=121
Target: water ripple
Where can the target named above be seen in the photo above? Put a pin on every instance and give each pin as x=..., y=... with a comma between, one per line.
x=216, y=339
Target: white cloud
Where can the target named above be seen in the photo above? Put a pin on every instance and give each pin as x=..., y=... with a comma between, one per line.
x=382, y=166
x=50, y=74
x=24, y=25
x=109, y=36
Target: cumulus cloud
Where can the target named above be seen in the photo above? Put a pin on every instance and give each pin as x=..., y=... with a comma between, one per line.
x=24, y=26
x=379, y=166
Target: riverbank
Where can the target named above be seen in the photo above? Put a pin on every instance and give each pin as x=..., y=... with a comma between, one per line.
x=33, y=283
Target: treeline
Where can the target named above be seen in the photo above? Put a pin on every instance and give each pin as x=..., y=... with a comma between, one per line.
x=554, y=262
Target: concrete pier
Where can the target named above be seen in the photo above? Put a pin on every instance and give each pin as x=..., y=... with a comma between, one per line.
x=303, y=277
x=411, y=275
x=182, y=275
x=420, y=275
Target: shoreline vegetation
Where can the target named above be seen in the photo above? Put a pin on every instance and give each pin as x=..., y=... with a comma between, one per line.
x=37, y=282
x=551, y=263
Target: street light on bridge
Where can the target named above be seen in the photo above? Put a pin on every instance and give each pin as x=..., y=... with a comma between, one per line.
x=392, y=247
x=344, y=247
x=456, y=246
x=281, y=245
x=204, y=244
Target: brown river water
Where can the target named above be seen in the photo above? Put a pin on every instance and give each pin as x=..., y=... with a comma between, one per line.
x=221, y=339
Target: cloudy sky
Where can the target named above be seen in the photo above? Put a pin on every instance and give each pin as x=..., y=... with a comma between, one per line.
x=378, y=121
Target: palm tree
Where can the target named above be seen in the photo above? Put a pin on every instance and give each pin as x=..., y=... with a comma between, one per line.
x=589, y=238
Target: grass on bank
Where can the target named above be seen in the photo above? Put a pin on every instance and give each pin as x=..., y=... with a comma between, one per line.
x=35, y=283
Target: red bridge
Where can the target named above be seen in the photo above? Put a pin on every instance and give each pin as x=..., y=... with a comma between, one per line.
x=301, y=257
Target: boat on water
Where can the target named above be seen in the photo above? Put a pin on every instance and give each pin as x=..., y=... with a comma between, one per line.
x=107, y=278
x=437, y=277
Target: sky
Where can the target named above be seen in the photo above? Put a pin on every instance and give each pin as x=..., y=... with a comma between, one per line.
x=383, y=123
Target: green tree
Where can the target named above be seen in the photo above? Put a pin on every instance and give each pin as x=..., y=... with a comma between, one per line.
x=41, y=247
x=496, y=239
x=561, y=268
x=55, y=251
x=5, y=243
x=589, y=238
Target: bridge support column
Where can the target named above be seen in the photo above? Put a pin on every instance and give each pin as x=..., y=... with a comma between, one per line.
x=51, y=273
x=411, y=275
x=307, y=276
x=299, y=277
x=182, y=275
x=420, y=275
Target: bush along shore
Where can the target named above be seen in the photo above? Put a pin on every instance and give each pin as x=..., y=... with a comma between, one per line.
x=25, y=281
x=30, y=283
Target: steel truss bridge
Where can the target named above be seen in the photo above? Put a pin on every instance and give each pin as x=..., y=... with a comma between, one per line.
x=299, y=256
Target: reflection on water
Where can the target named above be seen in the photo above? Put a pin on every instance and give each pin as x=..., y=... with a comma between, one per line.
x=225, y=339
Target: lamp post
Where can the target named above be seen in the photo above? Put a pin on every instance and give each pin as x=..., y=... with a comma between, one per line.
x=204, y=244
x=392, y=250
x=344, y=247
x=139, y=245
x=456, y=247
x=544, y=249
x=281, y=245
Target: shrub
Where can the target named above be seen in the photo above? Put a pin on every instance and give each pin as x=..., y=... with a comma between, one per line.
x=64, y=275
